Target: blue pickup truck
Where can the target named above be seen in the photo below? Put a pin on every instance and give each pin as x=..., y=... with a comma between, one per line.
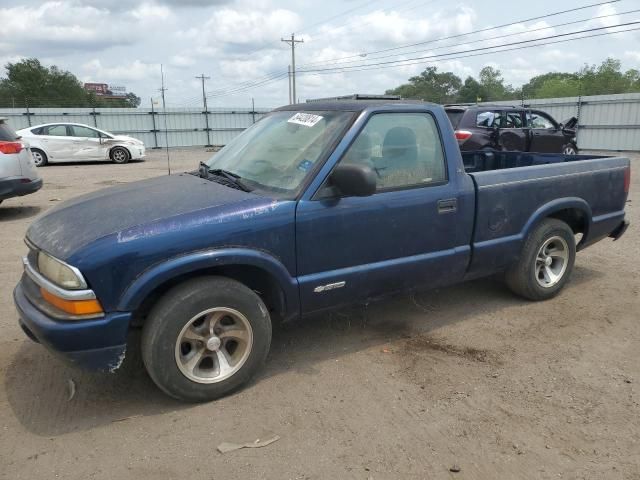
x=314, y=207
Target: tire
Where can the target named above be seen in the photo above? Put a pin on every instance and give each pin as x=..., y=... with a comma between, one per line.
x=533, y=277
x=181, y=354
x=39, y=157
x=570, y=149
x=119, y=155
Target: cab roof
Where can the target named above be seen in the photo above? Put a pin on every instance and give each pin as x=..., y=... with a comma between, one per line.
x=349, y=105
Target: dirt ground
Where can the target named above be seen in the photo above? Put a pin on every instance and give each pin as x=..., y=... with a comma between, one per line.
x=467, y=376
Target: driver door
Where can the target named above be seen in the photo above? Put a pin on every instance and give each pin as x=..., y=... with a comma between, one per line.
x=87, y=144
x=546, y=135
x=402, y=237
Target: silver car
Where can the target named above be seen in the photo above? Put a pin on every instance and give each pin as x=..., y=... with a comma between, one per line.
x=75, y=142
x=18, y=175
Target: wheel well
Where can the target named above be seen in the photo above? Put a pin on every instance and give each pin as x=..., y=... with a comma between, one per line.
x=574, y=217
x=257, y=279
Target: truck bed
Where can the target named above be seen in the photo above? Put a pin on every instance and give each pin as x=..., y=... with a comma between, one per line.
x=482, y=161
x=515, y=189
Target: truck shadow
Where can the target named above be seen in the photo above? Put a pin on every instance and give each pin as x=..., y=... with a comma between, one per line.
x=90, y=162
x=10, y=212
x=50, y=398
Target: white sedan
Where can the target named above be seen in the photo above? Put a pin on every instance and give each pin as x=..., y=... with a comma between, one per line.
x=74, y=142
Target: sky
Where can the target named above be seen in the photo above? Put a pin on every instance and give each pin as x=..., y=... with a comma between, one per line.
x=237, y=43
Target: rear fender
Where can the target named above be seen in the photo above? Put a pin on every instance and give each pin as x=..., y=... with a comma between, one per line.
x=556, y=206
x=200, y=261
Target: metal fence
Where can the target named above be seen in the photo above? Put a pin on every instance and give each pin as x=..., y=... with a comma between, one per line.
x=605, y=122
x=184, y=126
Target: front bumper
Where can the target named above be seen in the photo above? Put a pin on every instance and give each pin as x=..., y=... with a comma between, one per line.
x=137, y=152
x=18, y=186
x=95, y=344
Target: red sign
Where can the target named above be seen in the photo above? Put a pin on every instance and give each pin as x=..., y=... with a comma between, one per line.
x=98, y=88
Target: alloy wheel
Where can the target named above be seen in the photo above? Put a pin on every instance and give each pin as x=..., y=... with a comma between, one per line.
x=213, y=345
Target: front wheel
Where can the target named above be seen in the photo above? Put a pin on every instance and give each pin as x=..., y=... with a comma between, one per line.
x=545, y=263
x=570, y=149
x=205, y=338
x=120, y=155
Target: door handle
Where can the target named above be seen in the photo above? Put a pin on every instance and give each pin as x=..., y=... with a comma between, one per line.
x=449, y=205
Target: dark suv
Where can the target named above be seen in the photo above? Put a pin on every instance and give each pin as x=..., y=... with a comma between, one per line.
x=493, y=127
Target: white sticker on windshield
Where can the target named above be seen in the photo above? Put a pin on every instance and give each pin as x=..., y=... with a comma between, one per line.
x=306, y=119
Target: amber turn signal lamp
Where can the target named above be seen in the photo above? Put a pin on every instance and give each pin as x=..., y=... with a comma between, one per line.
x=74, y=307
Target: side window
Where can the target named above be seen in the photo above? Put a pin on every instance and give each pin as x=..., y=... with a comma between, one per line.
x=37, y=131
x=84, y=132
x=403, y=148
x=512, y=120
x=487, y=119
x=539, y=120
x=55, y=130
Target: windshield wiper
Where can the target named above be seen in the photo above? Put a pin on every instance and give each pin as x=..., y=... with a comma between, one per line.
x=224, y=177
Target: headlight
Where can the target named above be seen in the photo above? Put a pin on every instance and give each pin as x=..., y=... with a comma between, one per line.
x=59, y=272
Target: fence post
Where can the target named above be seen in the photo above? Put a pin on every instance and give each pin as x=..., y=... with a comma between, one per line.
x=578, y=117
x=253, y=110
x=206, y=122
x=153, y=120
x=26, y=102
x=95, y=119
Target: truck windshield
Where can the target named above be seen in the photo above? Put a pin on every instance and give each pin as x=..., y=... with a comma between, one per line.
x=278, y=152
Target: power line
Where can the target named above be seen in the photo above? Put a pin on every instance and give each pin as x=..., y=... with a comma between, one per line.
x=408, y=62
x=351, y=21
x=274, y=76
x=320, y=72
x=501, y=36
x=345, y=68
x=486, y=29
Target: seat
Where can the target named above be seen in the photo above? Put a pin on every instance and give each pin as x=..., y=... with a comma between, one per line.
x=400, y=149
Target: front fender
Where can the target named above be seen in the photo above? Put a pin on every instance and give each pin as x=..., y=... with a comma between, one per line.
x=160, y=273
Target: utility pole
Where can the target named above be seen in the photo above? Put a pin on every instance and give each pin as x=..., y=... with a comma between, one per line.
x=164, y=111
x=206, y=111
x=292, y=41
x=289, y=78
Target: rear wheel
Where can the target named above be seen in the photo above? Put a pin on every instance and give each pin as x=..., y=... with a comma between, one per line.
x=545, y=263
x=120, y=155
x=206, y=338
x=39, y=157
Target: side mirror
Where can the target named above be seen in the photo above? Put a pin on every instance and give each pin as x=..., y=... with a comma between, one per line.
x=353, y=180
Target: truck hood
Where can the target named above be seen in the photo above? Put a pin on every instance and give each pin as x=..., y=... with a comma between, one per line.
x=79, y=221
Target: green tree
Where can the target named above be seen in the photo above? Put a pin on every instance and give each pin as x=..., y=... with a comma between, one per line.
x=430, y=85
x=471, y=91
x=28, y=82
x=607, y=78
x=553, y=83
x=493, y=85
x=133, y=100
